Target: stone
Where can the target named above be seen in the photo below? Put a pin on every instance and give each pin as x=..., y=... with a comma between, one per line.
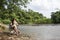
x=4, y=36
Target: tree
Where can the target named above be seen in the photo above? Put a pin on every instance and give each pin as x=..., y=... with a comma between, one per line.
x=55, y=17
x=12, y=5
x=10, y=8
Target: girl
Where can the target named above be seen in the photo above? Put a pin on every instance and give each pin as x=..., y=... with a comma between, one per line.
x=13, y=26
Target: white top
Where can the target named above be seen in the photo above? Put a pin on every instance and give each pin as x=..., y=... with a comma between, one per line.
x=15, y=24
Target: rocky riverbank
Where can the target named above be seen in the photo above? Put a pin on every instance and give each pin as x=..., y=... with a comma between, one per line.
x=5, y=35
x=10, y=36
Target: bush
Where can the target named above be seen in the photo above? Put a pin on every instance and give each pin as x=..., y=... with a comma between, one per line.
x=6, y=21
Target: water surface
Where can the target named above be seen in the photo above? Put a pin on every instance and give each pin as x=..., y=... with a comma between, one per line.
x=42, y=32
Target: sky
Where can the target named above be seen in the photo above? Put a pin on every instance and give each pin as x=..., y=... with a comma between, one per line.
x=44, y=6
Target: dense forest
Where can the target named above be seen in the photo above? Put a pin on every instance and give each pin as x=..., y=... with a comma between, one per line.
x=55, y=17
x=10, y=9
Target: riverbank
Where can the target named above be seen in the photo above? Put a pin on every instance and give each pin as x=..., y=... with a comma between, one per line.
x=10, y=36
x=6, y=35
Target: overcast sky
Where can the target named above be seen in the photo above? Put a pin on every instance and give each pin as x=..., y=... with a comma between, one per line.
x=44, y=6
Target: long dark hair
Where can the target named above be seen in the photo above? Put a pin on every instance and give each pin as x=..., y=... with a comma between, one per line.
x=12, y=21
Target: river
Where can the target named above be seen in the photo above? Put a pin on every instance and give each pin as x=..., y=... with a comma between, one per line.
x=42, y=32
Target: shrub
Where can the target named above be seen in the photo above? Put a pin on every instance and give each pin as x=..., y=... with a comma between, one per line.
x=6, y=21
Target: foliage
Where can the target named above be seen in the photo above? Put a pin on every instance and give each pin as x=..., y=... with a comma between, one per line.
x=55, y=17
x=6, y=21
x=10, y=9
x=25, y=17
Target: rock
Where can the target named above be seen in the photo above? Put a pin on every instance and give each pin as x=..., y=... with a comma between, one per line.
x=3, y=27
x=9, y=36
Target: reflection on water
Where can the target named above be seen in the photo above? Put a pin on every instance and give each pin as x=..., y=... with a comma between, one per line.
x=42, y=32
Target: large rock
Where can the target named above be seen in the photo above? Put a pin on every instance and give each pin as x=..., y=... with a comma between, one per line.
x=3, y=25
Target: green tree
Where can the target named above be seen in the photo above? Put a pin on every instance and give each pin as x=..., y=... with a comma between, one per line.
x=11, y=8
x=55, y=17
x=12, y=5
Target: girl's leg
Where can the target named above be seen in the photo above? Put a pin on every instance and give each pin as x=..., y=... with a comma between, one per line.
x=16, y=31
